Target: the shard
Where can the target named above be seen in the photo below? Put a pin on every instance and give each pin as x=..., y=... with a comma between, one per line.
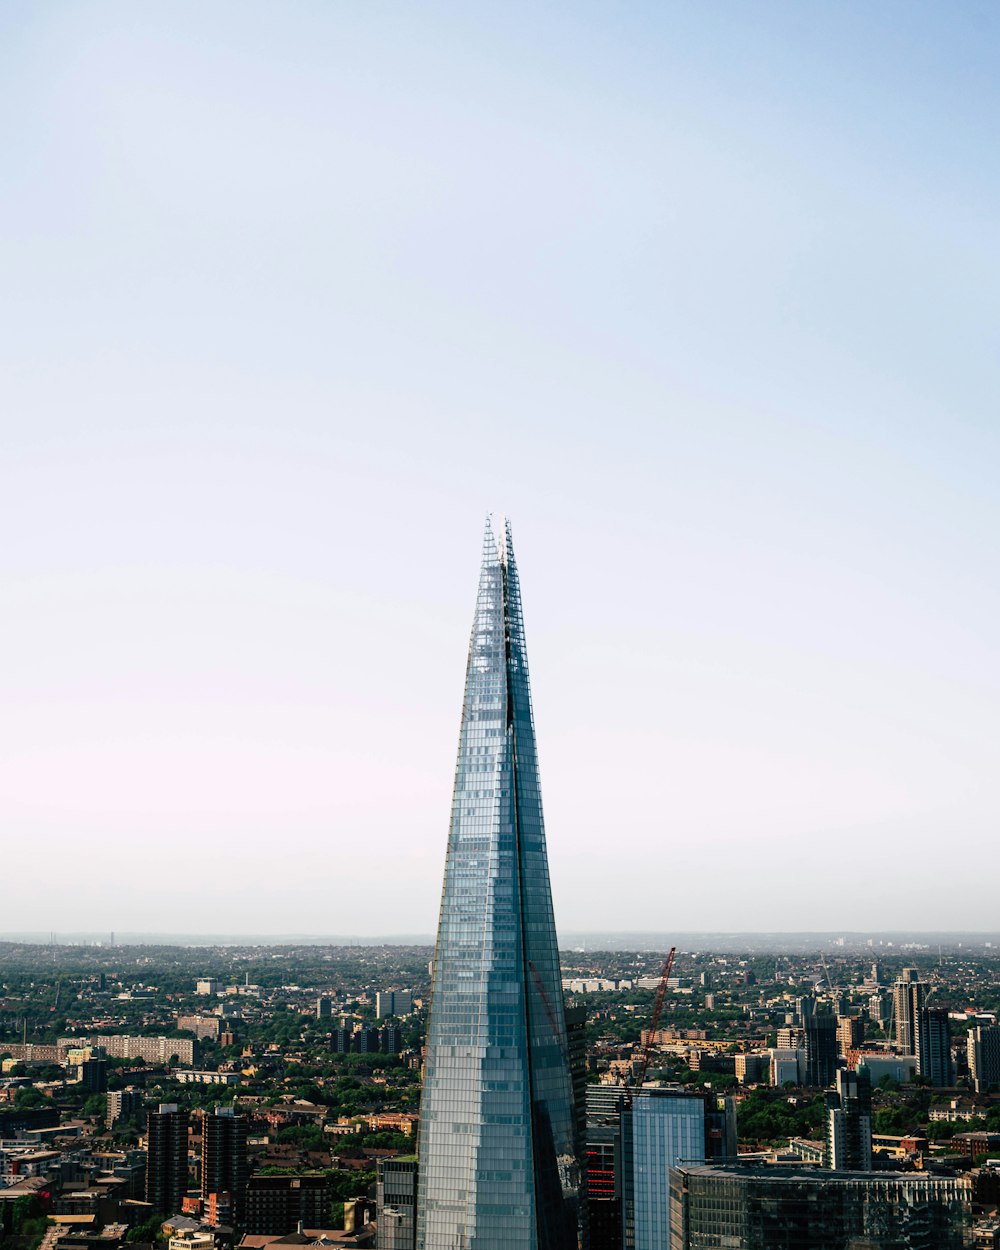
x=497, y=1165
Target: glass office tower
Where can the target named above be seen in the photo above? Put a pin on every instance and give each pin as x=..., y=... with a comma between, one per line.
x=497, y=1167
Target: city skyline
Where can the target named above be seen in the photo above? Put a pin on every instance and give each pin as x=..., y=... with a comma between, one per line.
x=706, y=300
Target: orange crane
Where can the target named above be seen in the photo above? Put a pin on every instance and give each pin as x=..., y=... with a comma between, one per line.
x=647, y=1050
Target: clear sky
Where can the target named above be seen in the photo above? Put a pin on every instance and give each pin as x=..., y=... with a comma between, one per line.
x=705, y=297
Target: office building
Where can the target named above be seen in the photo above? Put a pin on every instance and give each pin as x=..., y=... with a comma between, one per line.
x=662, y=1128
x=820, y=1033
x=167, y=1158
x=983, y=1052
x=757, y=1207
x=276, y=1205
x=603, y=1176
x=224, y=1166
x=497, y=1167
x=396, y=1203
x=849, y=1123
x=393, y=1003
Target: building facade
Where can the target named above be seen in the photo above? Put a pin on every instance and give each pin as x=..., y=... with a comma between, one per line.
x=498, y=1168
x=167, y=1158
x=224, y=1166
x=756, y=1207
x=396, y=1204
x=983, y=1052
x=849, y=1123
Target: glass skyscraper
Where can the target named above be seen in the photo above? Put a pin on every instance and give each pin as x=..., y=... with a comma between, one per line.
x=497, y=1164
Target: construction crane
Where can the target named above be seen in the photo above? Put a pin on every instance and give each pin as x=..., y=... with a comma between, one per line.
x=647, y=1050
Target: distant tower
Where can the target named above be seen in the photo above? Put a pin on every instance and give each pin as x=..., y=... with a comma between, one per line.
x=934, y=1046
x=821, y=1049
x=983, y=1049
x=224, y=1168
x=849, y=1123
x=908, y=996
x=167, y=1158
x=498, y=1169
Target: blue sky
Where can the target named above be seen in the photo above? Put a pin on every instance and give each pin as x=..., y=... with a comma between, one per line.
x=705, y=297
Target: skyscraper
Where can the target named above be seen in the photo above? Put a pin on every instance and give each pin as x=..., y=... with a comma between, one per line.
x=497, y=1166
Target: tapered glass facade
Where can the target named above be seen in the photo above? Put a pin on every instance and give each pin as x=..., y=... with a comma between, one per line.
x=497, y=1167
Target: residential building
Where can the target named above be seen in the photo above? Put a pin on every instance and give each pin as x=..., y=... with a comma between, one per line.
x=908, y=996
x=934, y=1046
x=393, y=1003
x=790, y=1207
x=280, y=1204
x=159, y=1050
x=850, y=1034
x=123, y=1105
x=201, y=1026
x=224, y=1167
x=983, y=1052
x=497, y=1159
x=821, y=1049
x=167, y=1158
x=849, y=1123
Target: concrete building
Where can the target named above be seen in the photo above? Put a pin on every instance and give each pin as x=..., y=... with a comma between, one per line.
x=983, y=1052
x=908, y=996
x=850, y=1034
x=123, y=1105
x=167, y=1158
x=849, y=1123
x=393, y=1003
x=224, y=1167
x=159, y=1050
x=280, y=1204
x=820, y=1049
x=934, y=1046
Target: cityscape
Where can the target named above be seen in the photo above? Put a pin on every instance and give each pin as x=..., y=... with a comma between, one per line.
x=327, y=919
x=489, y=1091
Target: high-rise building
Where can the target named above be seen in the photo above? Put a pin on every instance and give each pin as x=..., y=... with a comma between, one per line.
x=850, y=1033
x=393, y=1003
x=324, y=1007
x=167, y=1158
x=821, y=1049
x=757, y=1207
x=396, y=1203
x=934, y=1046
x=224, y=1167
x=983, y=1050
x=849, y=1123
x=497, y=1169
x=661, y=1129
x=908, y=995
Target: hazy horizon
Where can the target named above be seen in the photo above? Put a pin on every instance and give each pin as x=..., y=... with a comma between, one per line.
x=705, y=299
